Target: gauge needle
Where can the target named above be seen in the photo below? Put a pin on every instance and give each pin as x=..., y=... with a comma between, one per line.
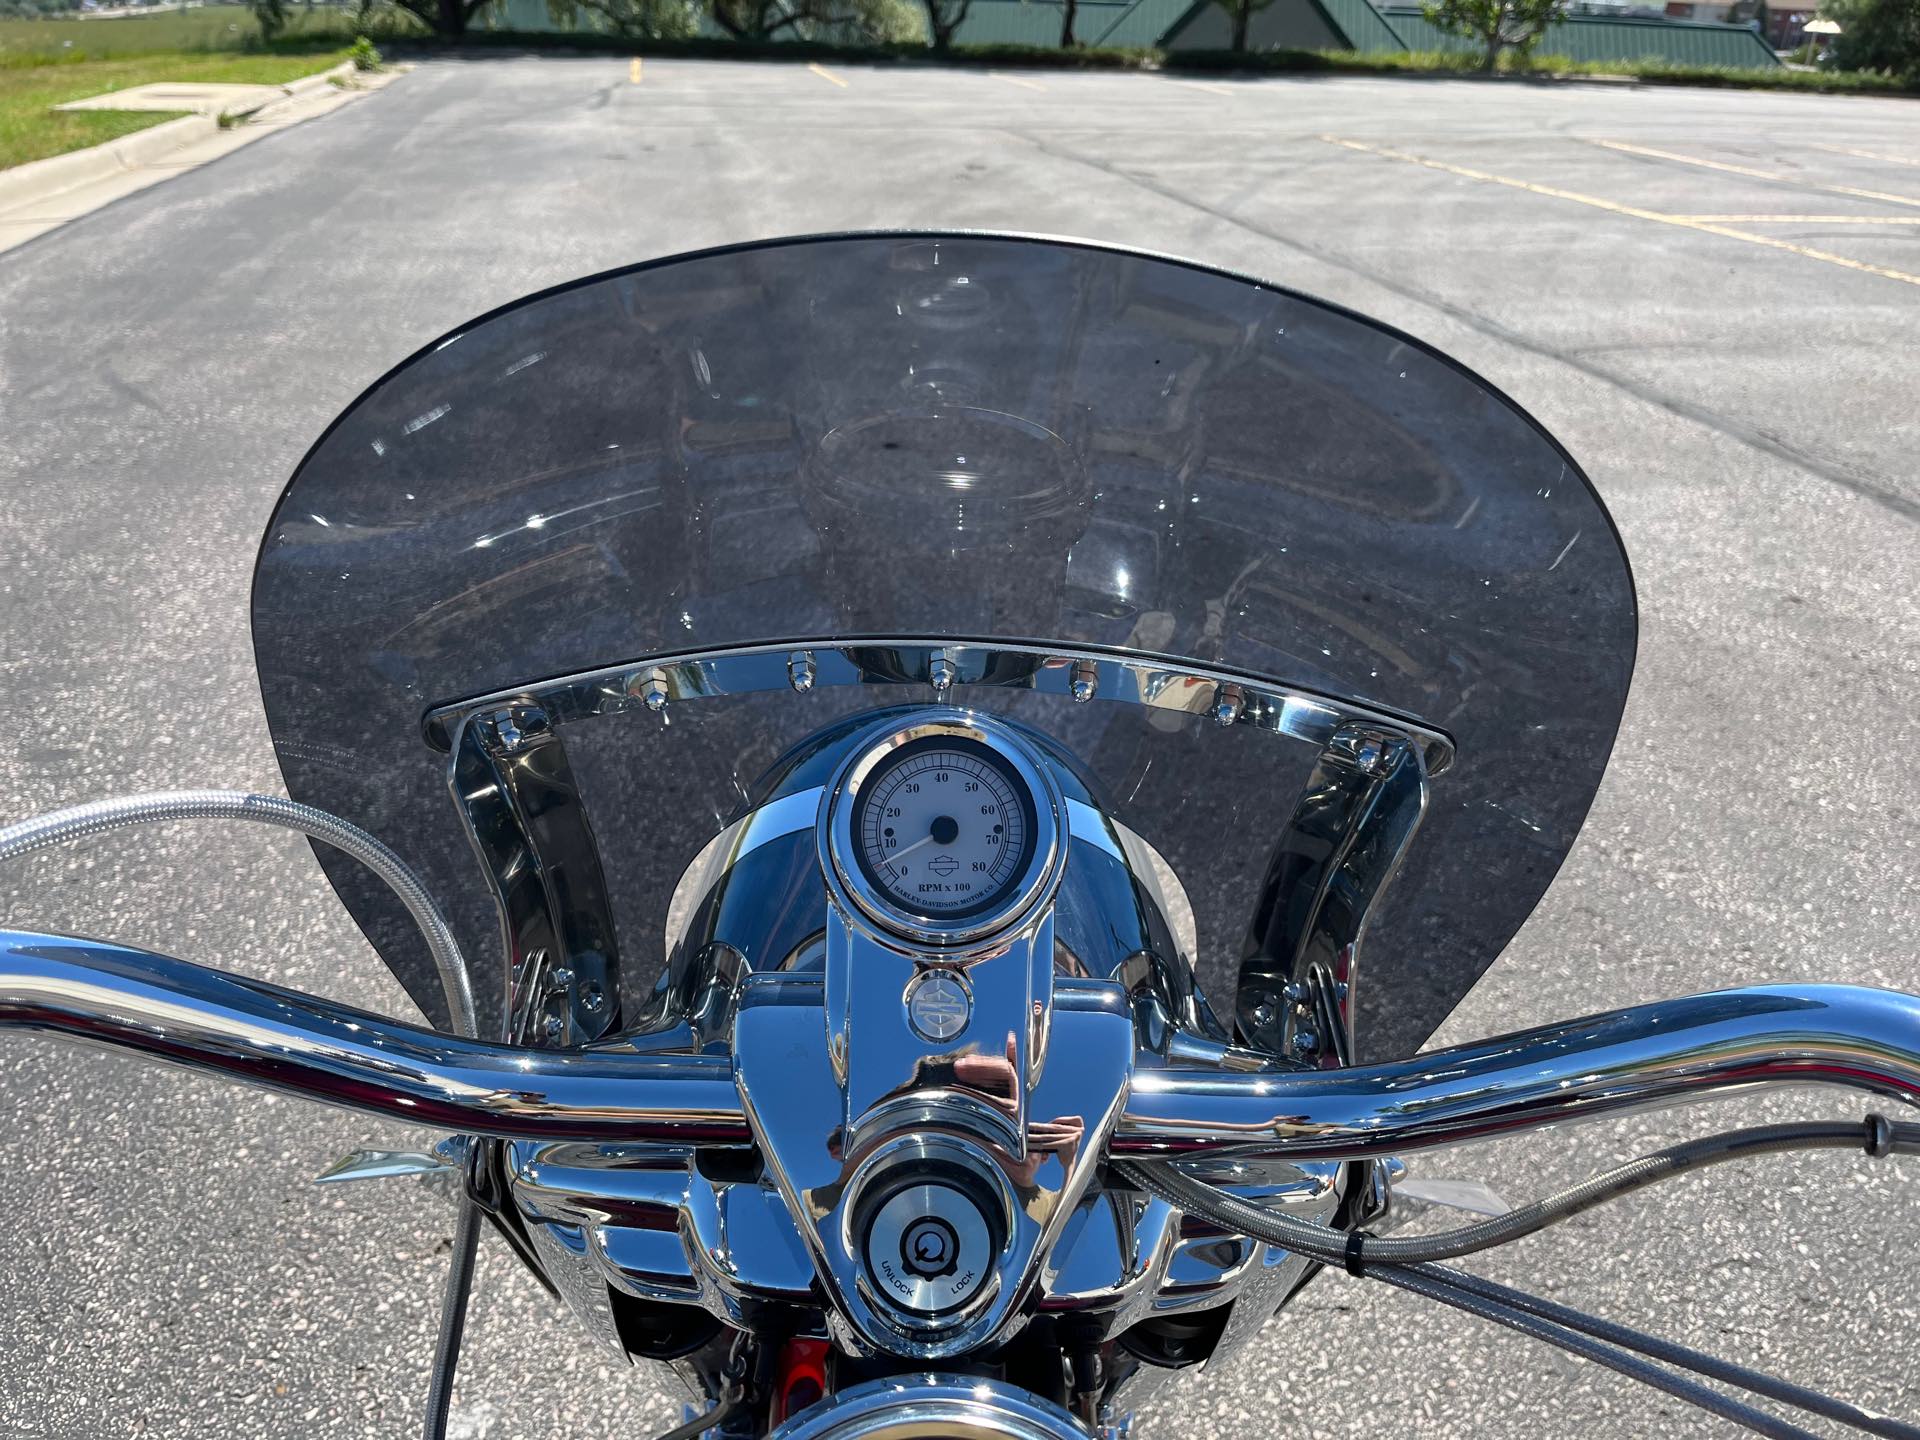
x=902, y=854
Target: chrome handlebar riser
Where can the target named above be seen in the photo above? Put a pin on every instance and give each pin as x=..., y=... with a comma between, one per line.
x=317, y=1050
x=1667, y=1053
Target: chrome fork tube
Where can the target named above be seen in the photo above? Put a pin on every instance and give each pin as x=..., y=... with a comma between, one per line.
x=1662, y=1054
x=301, y=1045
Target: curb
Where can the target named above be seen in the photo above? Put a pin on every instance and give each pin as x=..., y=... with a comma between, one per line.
x=325, y=78
x=39, y=179
x=36, y=180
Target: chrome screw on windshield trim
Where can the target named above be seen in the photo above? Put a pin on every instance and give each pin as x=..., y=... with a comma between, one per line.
x=940, y=673
x=800, y=671
x=652, y=690
x=1086, y=681
x=1228, y=702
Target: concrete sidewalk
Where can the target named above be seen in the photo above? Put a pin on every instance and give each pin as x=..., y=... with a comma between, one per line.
x=46, y=194
x=195, y=99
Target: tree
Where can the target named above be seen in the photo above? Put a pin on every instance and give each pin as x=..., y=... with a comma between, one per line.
x=1877, y=34
x=1497, y=24
x=888, y=22
x=1068, y=9
x=877, y=22
x=270, y=16
x=632, y=19
x=1241, y=13
x=448, y=18
x=943, y=18
x=763, y=19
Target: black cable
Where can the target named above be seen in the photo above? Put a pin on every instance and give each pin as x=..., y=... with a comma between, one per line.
x=453, y=1319
x=1876, y=1136
x=730, y=1404
x=1630, y=1365
x=1403, y=1262
x=1673, y=1353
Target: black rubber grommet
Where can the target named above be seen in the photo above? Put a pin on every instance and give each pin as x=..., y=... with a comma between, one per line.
x=1356, y=1239
x=1879, y=1136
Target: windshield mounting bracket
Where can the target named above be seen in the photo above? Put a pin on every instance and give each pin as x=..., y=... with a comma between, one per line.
x=1354, y=820
x=515, y=789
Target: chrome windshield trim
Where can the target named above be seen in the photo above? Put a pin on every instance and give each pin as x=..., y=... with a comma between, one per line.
x=946, y=665
x=1663, y=1054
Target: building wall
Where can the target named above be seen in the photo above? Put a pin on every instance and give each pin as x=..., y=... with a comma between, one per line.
x=1597, y=39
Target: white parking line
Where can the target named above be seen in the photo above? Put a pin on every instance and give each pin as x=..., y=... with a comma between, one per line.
x=1683, y=221
x=1756, y=174
x=1802, y=219
x=1866, y=154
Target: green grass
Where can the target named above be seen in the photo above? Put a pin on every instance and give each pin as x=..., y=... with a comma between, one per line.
x=210, y=28
x=30, y=130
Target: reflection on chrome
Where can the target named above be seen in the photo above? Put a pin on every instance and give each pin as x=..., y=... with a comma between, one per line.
x=317, y=1050
x=1667, y=1053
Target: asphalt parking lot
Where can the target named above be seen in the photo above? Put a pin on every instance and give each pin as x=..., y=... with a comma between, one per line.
x=1712, y=298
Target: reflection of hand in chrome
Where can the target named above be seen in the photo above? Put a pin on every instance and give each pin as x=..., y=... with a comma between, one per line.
x=993, y=1077
x=1057, y=1137
x=996, y=1078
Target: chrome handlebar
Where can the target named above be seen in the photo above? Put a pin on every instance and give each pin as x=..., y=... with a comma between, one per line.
x=1662, y=1054
x=304, y=1046
x=315, y=1049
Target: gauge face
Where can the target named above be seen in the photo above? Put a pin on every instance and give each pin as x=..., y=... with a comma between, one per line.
x=944, y=828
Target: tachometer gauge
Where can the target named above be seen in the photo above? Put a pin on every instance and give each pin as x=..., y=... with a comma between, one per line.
x=943, y=826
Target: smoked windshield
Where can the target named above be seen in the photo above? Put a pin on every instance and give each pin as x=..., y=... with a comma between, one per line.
x=966, y=436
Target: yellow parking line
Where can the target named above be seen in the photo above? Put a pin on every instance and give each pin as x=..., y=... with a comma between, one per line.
x=1801, y=219
x=1865, y=154
x=1684, y=222
x=1626, y=149
x=1013, y=80
x=633, y=70
x=827, y=75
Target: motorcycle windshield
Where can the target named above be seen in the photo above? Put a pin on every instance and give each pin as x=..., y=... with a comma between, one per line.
x=989, y=438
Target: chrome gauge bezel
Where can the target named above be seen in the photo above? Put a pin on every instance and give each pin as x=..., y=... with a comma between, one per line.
x=839, y=845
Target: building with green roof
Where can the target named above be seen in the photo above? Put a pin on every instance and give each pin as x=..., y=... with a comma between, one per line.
x=1354, y=25
x=1601, y=38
